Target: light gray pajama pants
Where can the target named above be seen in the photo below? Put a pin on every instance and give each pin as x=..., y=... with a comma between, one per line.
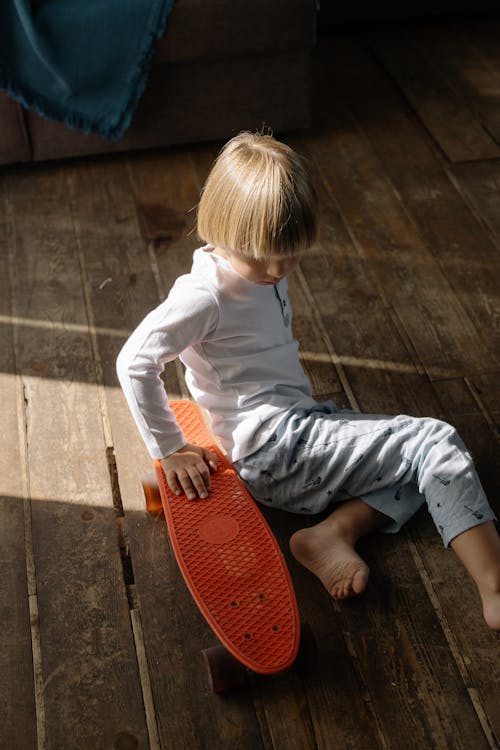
x=323, y=456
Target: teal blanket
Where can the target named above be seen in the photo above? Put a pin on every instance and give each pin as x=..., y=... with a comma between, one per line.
x=83, y=62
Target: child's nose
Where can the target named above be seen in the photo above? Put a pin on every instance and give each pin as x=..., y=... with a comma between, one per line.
x=282, y=267
x=277, y=269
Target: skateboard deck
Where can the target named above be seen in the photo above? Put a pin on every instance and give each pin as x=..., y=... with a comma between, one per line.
x=231, y=561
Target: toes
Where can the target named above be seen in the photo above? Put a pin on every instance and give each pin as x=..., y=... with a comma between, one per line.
x=349, y=590
x=342, y=590
x=359, y=581
x=337, y=592
x=351, y=586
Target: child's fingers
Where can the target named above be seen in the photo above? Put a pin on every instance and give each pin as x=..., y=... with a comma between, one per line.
x=192, y=483
x=211, y=459
x=189, y=476
x=204, y=473
x=184, y=483
x=200, y=477
x=173, y=482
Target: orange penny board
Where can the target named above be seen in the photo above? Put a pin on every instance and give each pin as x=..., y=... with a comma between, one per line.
x=231, y=561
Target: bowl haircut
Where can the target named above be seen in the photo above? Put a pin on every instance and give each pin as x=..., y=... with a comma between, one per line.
x=259, y=199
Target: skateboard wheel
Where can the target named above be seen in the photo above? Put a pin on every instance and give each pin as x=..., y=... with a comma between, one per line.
x=152, y=495
x=224, y=671
x=308, y=648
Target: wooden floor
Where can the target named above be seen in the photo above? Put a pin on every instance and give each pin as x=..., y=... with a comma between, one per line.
x=398, y=310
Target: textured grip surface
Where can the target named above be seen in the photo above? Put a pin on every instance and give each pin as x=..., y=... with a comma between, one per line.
x=231, y=561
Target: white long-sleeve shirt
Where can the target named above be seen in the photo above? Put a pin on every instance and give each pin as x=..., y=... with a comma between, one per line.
x=234, y=337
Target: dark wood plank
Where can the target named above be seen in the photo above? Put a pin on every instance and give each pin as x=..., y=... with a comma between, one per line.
x=482, y=33
x=474, y=645
x=480, y=184
x=434, y=205
x=468, y=72
x=91, y=691
x=313, y=349
x=451, y=122
x=185, y=714
x=344, y=289
x=404, y=658
x=405, y=271
x=482, y=30
x=486, y=389
x=17, y=684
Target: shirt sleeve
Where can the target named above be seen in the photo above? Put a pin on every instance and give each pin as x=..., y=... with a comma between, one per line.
x=186, y=317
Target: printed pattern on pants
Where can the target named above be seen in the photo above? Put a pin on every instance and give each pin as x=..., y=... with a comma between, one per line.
x=322, y=456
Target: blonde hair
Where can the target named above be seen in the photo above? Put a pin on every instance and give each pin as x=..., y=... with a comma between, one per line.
x=259, y=199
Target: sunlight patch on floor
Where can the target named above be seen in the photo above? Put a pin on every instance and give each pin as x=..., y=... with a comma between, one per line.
x=56, y=325
x=368, y=363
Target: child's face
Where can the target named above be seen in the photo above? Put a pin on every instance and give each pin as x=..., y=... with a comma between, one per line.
x=266, y=271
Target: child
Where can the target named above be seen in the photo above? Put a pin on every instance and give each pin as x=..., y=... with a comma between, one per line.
x=229, y=320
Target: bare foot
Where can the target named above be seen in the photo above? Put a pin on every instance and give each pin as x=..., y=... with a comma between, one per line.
x=327, y=553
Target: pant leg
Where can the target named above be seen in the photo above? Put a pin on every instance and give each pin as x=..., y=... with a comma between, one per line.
x=427, y=460
x=393, y=463
x=400, y=511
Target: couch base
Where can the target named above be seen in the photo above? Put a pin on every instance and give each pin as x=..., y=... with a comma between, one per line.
x=14, y=141
x=194, y=101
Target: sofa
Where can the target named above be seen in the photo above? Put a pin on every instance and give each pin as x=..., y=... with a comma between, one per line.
x=222, y=66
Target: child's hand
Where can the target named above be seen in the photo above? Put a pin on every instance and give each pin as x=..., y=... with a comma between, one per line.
x=188, y=470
